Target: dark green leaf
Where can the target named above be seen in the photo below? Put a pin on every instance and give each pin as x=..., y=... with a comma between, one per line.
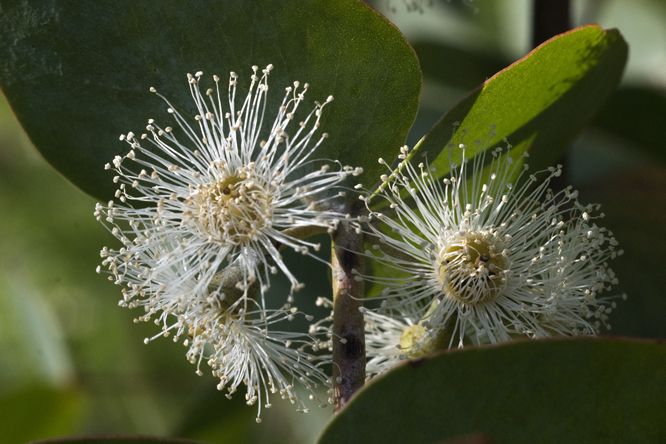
x=539, y=103
x=583, y=390
x=77, y=74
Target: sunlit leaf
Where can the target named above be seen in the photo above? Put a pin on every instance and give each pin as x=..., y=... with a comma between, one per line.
x=539, y=103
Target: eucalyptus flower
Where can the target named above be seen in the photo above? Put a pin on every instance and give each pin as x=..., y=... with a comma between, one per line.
x=216, y=193
x=487, y=254
x=240, y=341
x=385, y=336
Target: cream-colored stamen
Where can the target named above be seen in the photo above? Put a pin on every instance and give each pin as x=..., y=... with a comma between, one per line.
x=233, y=210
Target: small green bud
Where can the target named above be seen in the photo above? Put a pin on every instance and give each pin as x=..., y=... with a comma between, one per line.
x=421, y=339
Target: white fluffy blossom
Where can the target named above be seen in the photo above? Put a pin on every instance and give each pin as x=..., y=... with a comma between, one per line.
x=216, y=192
x=240, y=341
x=474, y=258
x=382, y=340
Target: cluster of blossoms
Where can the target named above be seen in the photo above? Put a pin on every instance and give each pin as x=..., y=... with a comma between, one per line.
x=474, y=259
x=202, y=216
x=203, y=210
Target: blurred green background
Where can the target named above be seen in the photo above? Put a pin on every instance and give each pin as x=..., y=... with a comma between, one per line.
x=72, y=362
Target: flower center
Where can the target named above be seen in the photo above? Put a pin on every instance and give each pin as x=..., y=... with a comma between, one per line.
x=233, y=210
x=472, y=269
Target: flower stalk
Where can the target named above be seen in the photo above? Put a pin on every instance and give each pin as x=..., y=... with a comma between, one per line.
x=348, y=325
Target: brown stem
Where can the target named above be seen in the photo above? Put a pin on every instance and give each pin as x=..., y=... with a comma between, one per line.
x=348, y=324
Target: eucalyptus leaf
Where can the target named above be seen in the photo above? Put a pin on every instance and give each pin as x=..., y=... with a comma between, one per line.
x=539, y=103
x=77, y=74
x=586, y=390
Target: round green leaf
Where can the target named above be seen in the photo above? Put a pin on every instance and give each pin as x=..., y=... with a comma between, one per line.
x=77, y=74
x=540, y=102
x=583, y=390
